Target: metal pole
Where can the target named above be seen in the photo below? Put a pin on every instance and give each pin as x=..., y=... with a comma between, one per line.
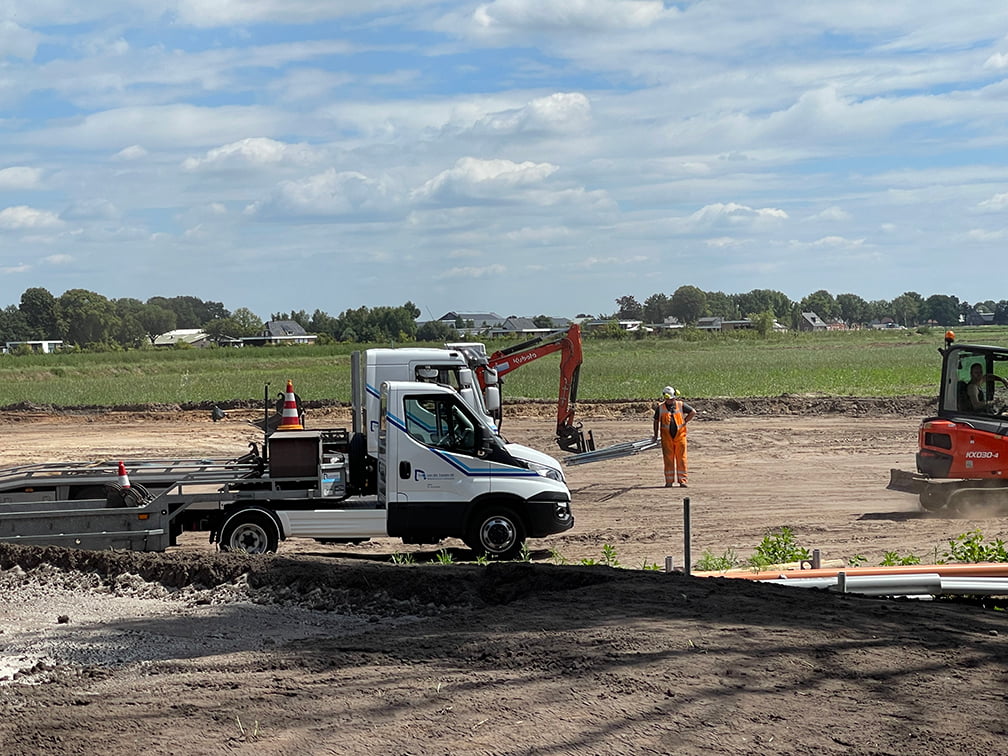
x=687, y=560
x=669, y=564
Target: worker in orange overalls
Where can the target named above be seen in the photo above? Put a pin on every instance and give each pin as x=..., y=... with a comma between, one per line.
x=670, y=419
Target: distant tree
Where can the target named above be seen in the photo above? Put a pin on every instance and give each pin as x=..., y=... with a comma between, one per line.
x=249, y=323
x=688, y=304
x=437, y=331
x=89, y=317
x=41, y=313
x=759, y=300
x=300, y=317
x=763, y=322
x=13, y=325
x=906, y=308
x=130, y=330
x=157, y=320
x=629, y=308
x=853, y=309
x=721, y=305
x=1001, y=312
x=657, y=307
x=941, y=308
x=821, y=303
x=190, y=312
x=878, y=309
x=226, y=328
x=542, y=321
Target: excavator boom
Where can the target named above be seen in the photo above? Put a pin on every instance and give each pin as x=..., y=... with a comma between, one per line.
x=569, y=435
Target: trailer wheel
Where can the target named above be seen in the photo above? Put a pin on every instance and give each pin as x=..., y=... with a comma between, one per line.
x=497, y=533
x=251, y=532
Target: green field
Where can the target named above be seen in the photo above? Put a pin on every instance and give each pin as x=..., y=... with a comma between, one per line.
x=891, y=363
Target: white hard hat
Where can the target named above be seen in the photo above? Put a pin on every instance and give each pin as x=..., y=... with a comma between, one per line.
x=668, y=391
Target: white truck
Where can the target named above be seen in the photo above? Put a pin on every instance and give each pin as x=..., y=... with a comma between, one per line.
x=440, y=471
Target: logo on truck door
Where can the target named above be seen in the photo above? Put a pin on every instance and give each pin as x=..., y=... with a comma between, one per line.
x=421, y=475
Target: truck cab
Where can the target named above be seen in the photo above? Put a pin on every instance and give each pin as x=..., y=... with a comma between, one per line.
x=446, y=367
x=444, y=471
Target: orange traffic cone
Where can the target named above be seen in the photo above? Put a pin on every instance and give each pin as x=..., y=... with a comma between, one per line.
x=290, y=420
x=123, y=477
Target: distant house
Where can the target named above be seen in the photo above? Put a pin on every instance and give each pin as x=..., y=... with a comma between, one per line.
x=196, y=337
x=46, y=346
x=809, y=321
x=281, y=332
x=472, y=322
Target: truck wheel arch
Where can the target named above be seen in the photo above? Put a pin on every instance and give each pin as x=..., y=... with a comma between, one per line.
x=254, y=530
x=496, y=528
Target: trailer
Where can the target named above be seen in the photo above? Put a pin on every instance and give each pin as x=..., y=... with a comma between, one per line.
x=440, y=471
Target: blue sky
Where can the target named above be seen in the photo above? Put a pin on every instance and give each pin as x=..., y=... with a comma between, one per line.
x=520, y=156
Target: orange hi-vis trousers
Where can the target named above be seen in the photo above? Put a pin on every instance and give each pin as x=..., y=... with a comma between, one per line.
x=674, y=456
x=673, y=448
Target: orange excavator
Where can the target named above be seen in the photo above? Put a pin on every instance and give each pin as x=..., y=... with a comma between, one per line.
x=491, y=370
x=962, y=457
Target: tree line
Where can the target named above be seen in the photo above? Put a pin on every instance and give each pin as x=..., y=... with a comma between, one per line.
x=688, y=304
x=88, y=320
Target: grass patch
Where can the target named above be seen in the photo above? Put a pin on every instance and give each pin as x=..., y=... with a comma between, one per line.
x=857, y=363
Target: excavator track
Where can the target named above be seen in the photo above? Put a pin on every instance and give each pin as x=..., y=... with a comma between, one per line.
x=965, y=497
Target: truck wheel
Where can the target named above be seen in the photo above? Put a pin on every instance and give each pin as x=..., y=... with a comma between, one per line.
x=251, y=532
x=497, y=533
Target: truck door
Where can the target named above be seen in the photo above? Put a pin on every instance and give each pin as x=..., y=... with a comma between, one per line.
x=434, y=467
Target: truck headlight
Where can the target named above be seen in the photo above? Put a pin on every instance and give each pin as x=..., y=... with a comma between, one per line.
x=546, y=471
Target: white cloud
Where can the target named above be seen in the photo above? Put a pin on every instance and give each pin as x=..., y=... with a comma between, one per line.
x=560, y=112
x=833, y=213
x=12, y=269
x=23, y=217
x=61, y=259
x=16, y=41
x=330, y=193
x=473, y=178
x=570, y=15
x=133, y=152
x=997, y=61
x=487, y=271
x=996, y=203
x=20, y=177
x=733, y=214
x=253, y=151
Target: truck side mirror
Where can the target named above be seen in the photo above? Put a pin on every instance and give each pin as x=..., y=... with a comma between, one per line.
x=491, y=397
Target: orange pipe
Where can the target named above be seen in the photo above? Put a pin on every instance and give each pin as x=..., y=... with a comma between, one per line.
x=986, y=569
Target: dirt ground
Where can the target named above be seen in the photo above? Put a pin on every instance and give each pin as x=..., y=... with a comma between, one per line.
x=336, y=650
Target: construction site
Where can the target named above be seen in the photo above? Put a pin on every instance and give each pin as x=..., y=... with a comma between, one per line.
x=583, y=644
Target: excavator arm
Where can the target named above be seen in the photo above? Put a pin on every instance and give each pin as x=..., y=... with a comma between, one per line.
x=569, y=435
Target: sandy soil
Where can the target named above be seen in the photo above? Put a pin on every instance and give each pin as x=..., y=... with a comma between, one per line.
x=334, y=649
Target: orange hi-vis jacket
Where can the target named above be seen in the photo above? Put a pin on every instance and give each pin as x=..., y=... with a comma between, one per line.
x=672, y=419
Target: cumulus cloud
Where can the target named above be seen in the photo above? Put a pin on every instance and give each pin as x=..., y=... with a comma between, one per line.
x=732, y=214
x=253, y=151
x=560, y=112
x=22, y=217
x=19, y=268
x=472, y=178
x=330, y=193
x=20, y=177
x=833, y=213
x=997, y=61
x=60, y=259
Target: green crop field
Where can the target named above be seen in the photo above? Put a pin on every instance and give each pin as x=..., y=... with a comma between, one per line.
x=857, y=363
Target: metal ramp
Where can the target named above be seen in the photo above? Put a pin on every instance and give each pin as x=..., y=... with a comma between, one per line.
x=625, y=449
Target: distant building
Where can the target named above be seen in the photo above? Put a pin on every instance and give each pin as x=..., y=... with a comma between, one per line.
x=196, y=337
x=281, y=332
x=809, y=321
x=45, y=346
